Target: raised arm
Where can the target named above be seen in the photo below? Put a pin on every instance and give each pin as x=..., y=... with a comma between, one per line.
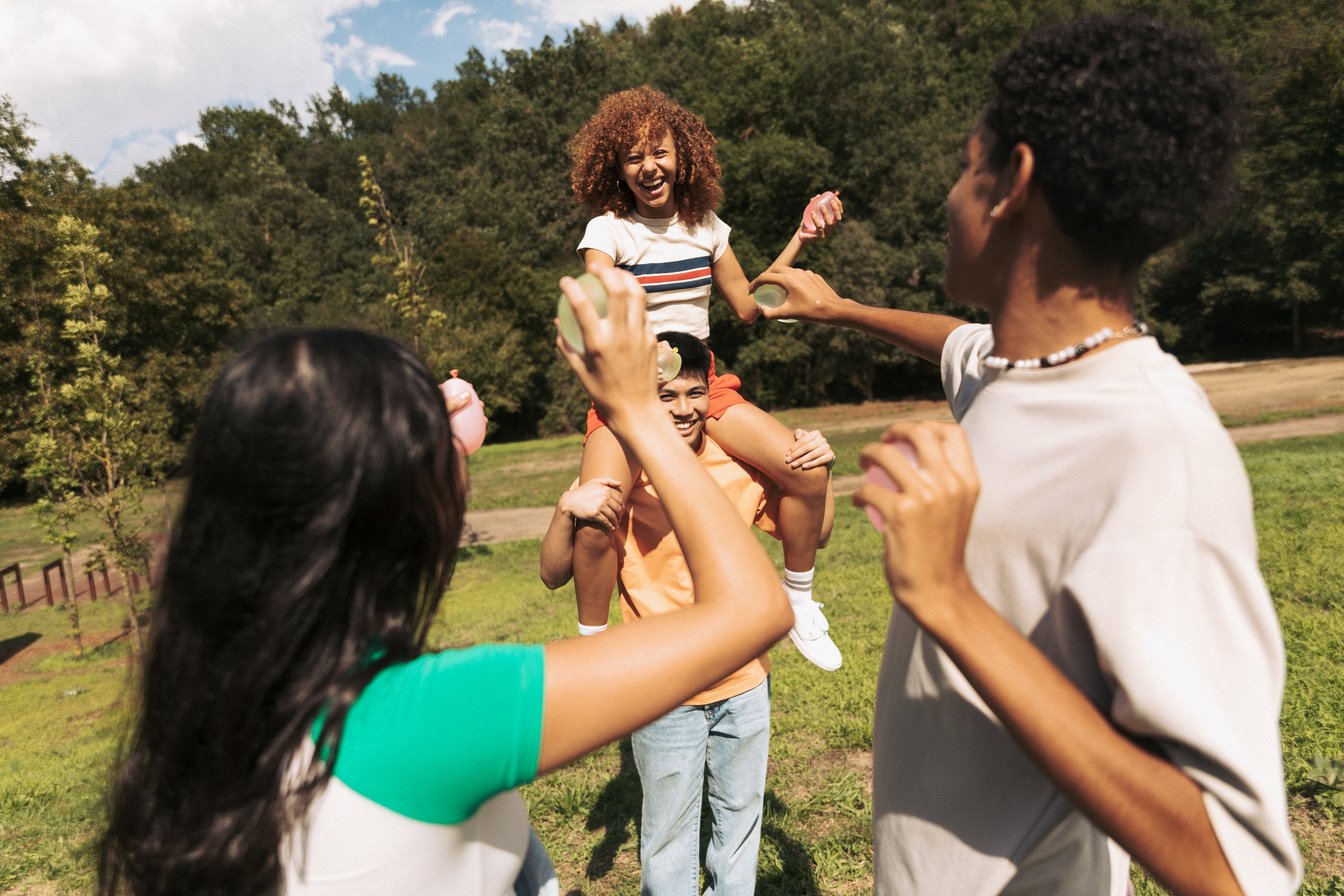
x=1146, y=803
x=732, y=283
x=811, y=298
x=598, y=689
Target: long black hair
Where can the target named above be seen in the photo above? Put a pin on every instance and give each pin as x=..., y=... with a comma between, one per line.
x=317, y=536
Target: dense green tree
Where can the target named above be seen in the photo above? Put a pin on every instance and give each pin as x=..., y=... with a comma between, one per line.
x=259, y=221
x=37, y=192
x=99, y=438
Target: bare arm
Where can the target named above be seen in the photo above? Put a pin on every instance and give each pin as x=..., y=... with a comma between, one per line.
x=811, y=298
x=598, y=689
x=731, y=281
x=1148, y=805
x=595, y=259
x=596, y=501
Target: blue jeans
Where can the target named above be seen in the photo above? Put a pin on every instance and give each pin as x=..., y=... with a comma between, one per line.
x=731, y=741
x=537, y=876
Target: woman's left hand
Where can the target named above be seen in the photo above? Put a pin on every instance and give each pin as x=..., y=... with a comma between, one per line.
x=823, y=219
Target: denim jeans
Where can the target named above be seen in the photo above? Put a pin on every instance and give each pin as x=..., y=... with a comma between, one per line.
x=537, y=876
x=727, y=744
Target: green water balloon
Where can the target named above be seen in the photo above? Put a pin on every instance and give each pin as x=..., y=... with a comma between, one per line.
x=564, y=314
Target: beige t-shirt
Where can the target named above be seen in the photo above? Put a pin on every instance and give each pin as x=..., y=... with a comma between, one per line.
x=1114, y=530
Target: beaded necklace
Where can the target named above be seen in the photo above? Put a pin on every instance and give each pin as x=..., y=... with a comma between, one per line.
x=1069, y=353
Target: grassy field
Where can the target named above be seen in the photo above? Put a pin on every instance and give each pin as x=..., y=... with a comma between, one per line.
x=60, y=718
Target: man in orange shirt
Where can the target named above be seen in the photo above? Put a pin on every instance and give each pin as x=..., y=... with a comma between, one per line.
x=724, y=730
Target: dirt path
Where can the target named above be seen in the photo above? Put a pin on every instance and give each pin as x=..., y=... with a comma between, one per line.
x=1239, y=391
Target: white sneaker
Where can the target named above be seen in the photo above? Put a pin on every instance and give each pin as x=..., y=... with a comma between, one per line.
x=809, y=635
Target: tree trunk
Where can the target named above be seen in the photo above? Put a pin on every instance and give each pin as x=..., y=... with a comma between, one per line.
x=76, y=630
x=133, y=617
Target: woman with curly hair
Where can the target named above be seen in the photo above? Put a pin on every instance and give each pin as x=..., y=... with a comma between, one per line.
x=294, y=734
x=645, y=166
x=1086, y=661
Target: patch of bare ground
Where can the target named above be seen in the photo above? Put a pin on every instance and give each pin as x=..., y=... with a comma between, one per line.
x=41, y=888
x=1240, y=391
x=1320, y=837
x=833, y=784
x=1254, y=388
x=866, y=415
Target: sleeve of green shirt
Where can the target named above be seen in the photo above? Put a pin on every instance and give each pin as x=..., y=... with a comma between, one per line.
x=434, y=738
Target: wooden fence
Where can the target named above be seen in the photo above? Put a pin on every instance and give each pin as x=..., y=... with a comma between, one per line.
x=55, y=585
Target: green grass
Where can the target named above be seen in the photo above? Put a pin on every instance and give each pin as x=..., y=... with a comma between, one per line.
x=23, y=541
x=523, y=474
x=58, y=729
x=1230, y=420
x=1301, y=524
x=535, y=473
x=59, y=725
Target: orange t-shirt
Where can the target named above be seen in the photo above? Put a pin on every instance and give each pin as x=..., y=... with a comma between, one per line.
x=654, y=577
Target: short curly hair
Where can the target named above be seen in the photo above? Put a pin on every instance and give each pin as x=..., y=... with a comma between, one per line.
x=1132, y=124
x=634, y=116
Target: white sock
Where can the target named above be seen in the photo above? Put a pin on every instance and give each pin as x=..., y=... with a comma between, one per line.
x=798, y=585
x=586, y=630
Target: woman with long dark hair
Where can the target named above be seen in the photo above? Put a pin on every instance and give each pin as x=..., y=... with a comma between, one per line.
x=294, y=736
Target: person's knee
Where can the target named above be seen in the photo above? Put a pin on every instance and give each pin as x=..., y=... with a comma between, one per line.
x=592, y=541
x=809, y=484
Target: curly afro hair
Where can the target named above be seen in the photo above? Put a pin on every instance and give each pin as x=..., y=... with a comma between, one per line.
x=632, y=117
x=1132, y=124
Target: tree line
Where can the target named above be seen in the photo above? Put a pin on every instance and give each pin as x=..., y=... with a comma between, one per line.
x=444, y=217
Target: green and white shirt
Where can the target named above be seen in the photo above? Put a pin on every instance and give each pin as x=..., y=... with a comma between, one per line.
x=421, y=799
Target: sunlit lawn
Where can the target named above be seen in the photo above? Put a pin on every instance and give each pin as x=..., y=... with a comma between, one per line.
x=59, y=723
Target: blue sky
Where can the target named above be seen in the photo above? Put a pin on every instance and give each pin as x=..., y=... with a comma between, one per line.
x=117, y=83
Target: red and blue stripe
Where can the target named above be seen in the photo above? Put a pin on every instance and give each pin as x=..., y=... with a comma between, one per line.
x=668, y=276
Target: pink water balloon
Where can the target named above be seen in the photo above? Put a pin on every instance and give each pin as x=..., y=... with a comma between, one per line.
x=468, y=421
x=823, y=203
x=875, y=475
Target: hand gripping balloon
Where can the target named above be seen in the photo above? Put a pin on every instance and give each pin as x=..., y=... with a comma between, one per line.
x=772, y=295
x=875, y=475
x=823, y=203
x=468, y=421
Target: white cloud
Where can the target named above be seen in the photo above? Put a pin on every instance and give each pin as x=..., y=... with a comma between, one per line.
x=572, y=12
x=497, y=34
x=365, y=60
x=445, y=14
x=131, y=74
x=182, y=138
x=116, y=83
x=127, y=152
